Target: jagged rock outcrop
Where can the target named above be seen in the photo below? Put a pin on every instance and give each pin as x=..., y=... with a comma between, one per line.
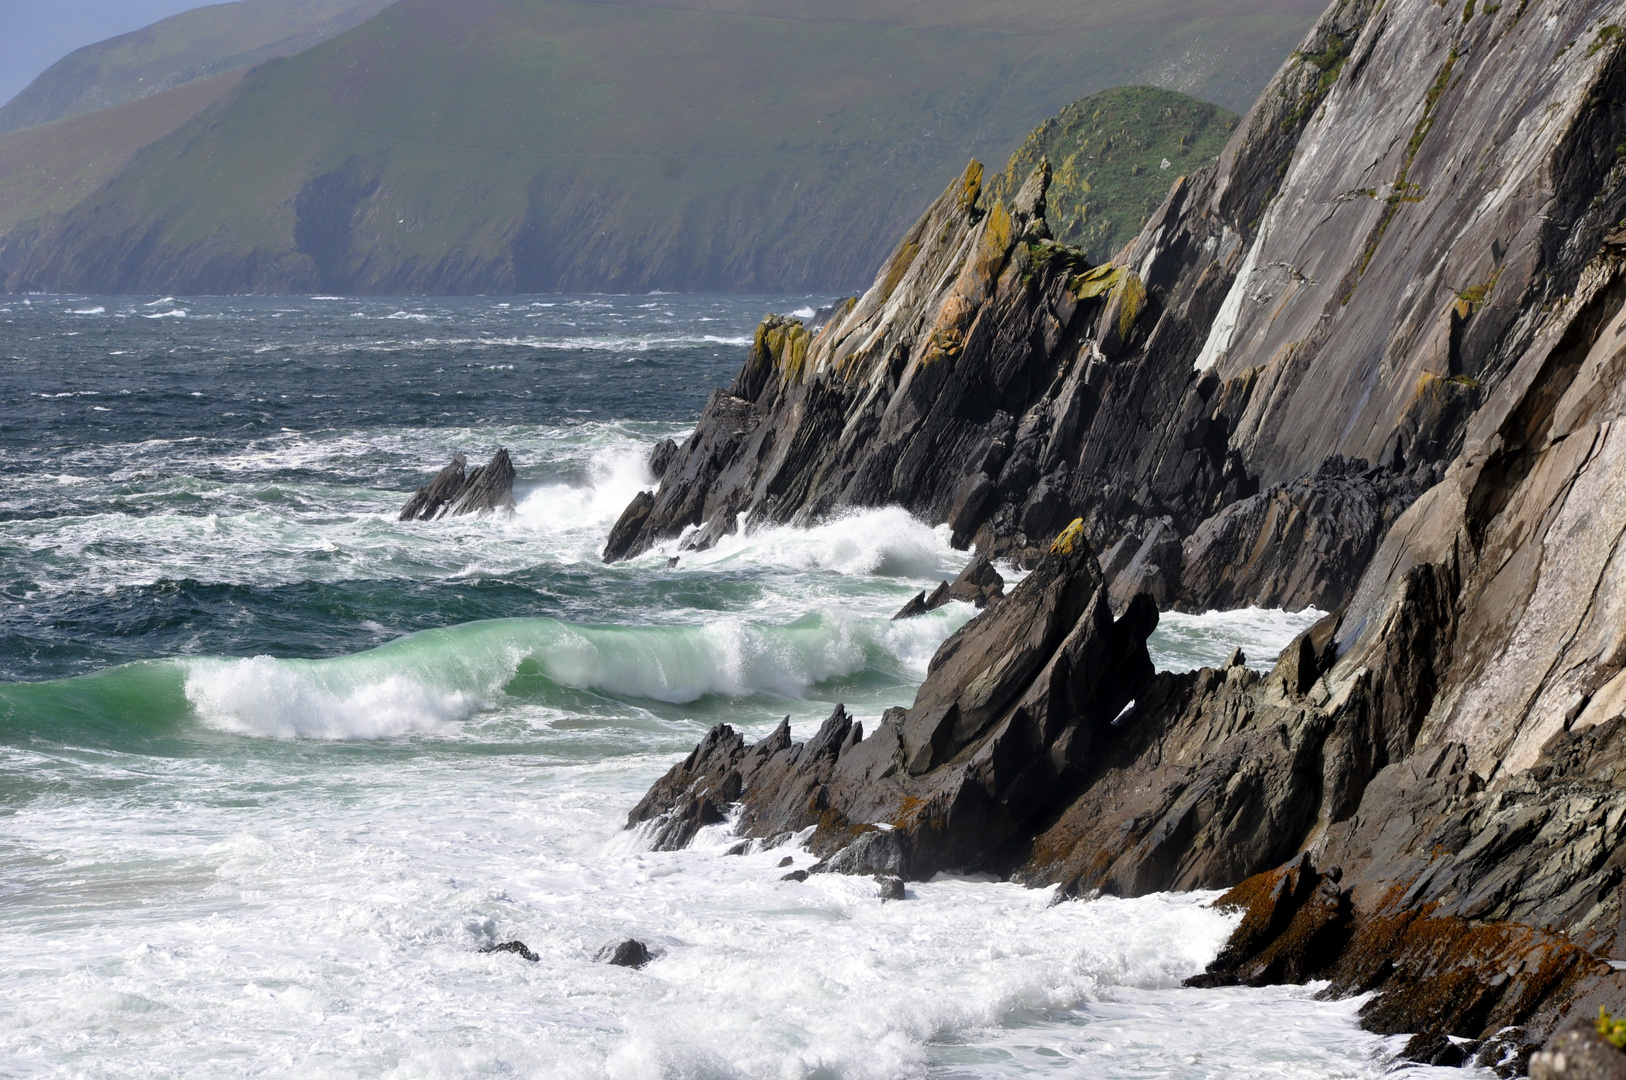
x=1374, y=362
x=1011, y=707
x=979, y=583
x=452, y=492
x=1300, y=544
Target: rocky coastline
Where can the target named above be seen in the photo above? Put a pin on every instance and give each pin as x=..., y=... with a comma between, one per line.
x=1370, y=362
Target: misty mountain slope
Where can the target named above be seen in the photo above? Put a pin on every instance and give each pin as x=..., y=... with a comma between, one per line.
x=172, y=52
x=535, y=146
x=50, y=168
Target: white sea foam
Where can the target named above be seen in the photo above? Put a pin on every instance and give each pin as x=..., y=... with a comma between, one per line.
x=90, y=311
x=323, y=916
x=885, y=542
x=272, y=698
x=1186, y=642
x=422, y=683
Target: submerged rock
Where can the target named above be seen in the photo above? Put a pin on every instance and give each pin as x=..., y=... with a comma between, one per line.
x=891, y=887
x=979, y=583
x=630, y=953
x=922, y=603
x=517, y=947
x=487, y=489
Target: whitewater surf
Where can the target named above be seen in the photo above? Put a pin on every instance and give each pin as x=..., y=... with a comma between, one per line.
x=275, y=767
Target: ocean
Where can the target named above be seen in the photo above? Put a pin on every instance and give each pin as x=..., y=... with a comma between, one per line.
x=275, y=767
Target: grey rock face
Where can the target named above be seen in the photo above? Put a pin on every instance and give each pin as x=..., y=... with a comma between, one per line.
x=661, y=457
x=1578, y=1052
x=1009, y=710
x=1300, y=544
x=1394, y=262
x=487, y=489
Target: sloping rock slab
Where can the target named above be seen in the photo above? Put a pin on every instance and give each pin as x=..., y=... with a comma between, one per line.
x=1009, y=709
x=453, y=492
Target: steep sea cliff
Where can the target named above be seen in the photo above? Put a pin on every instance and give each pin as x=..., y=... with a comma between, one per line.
x=1368, y=362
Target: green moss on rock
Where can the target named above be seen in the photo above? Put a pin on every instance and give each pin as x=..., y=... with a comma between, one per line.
x=1114, y=157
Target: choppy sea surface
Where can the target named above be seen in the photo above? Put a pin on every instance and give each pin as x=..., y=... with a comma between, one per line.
x=274, y=767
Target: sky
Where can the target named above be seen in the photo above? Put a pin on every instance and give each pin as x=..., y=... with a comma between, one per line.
x=34, y=34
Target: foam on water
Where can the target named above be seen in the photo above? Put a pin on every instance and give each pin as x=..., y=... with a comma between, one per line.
x=1185, y=642
x=315, y=758
x=885, y=542
x=422, y=682
x=342, y=939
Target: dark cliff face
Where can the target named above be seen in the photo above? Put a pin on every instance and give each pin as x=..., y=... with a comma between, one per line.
x=1372, y=361
x=1311, y=323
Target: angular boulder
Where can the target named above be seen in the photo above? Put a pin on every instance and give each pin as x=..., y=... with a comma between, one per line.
x=488, y=489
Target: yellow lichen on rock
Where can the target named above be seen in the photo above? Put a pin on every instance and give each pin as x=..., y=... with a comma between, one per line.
x=971, y=185
x=995, y=243
x=901, y=263
x=1134, y=296
x=1068, y=538
x=1097, y=282
x=783, y=343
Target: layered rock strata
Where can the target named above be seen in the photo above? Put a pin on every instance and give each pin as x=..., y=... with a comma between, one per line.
x=1373, y=362
x=455, y=491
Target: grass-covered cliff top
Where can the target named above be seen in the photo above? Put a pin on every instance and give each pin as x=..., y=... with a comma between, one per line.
x=1114, y=156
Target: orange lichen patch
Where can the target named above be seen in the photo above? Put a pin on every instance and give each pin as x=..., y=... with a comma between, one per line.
x=835, y=830
x=1444, y=973
x=1437, y=973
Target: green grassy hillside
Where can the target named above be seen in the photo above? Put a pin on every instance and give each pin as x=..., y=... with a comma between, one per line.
x=51, y=168
x=198, y=44
x=1113, y=156
x=538, y=145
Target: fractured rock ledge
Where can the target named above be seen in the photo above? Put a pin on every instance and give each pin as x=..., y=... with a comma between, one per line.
x=453, y=492
x=1010, y=708
x=1374, y=361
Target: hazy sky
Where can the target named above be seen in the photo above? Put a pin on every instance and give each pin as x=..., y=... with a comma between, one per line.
x=34, y=34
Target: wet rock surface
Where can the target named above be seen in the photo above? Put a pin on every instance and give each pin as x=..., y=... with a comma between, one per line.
x=454, y=491
x=1373, y=361
x=630, y=953
x=1009, y=709
x=516, y=947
